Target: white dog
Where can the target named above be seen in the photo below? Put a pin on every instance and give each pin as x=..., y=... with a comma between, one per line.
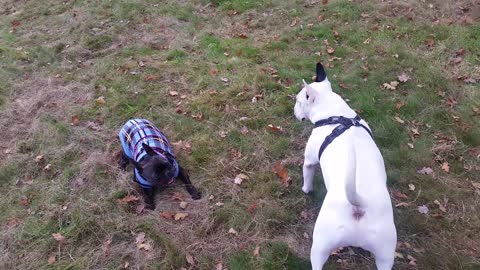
x=357, y=210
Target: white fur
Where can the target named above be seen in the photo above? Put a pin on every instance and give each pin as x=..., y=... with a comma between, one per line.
x=355, y=178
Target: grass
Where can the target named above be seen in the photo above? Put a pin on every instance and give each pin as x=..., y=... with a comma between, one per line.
x=219, y=56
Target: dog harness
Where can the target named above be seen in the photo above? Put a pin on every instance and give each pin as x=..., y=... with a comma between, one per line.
x=344, y=123
x=138, y=131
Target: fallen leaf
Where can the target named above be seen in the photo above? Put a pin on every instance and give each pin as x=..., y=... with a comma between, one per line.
x=425, y=170
x=166, y=215
x=344, y=86
x=294, y=22
x=410, y=145
x=12, y=222
x=451, y=102
x=243, y=36
x=190, y=259
x=140, y=238
x=219, y=204
x=183, y=205
x=415, y=132
x=139, y=209
x=244, y=130
x=411, y=187
x=335, y=33
x=399, y=120
x=403, y=78
x=475, y=185
x=100, y=100
x=330, y=50
x=399, y=104
x=274, y=128
x=173, y=93
x=106, y=247
x=223, y=134
x=75, y=120
x=48, y=167
x=324, y=2
x=364, y=15
x=24, y=201
x=15, y=23
x=391, y=86
x=430, y=42
x=93, y=126
x=212, y=91
x=58, y=237
x=126, y=265
x=151, y=78
x=180, y=216
x=399, y=255
x=440, y=206
x=402, y=204
x=39, y=159
x=399, y=195
x=251, y=209
x=256, y=251
x=224, y=79
x=219, y=266
x=211, y=197
x=239, y=178
x=232, y=231
x=282, y=173
x=445, y=167
x=145, y=246
x=423, y=209
x=51, y=259
x=128, y=199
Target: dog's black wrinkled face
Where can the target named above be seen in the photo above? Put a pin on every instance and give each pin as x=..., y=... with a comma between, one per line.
x=154, y=168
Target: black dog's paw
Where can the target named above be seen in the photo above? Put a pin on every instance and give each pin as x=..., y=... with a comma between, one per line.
x=150, y=206
x=196, y=195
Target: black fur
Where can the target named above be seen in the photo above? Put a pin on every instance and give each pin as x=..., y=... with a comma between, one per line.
x=321, y=74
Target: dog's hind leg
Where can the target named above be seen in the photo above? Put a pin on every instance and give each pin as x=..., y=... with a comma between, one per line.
x=319, y=255
x=182, y=174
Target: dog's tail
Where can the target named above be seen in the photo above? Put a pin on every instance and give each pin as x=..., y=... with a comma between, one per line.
x=351, y=183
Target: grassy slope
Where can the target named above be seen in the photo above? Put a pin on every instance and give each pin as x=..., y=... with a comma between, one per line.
x=57, y=57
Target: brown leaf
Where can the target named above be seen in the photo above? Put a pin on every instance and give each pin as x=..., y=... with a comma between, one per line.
x=402, y=204
x=48, y=167
x=399, y=104
x=239, y=178
x=324, y=2
x=100, y=100
x=399, y=120
x=198, y=116
x=440, y=206
x=425, y=170
x=244, y=130
x=173, y=93
x=282, y=173
x=275, y=128
x=140, y=238
x=183, y=205
x=106, y=247
x=451, y=102
x=365, y=15
x=391, y=86
x=58, y=237
x=256, y=251
x=12, y=222
x=219, y=266
x=166, y=215
x=128, y=199
x=415, y=132
x=252, y=208
x=243, y=36
x=232, y=231
x=75, y=120
x=445, y=167
x=344, y=86
x=335, y=33
x=213, y=72
x=190, y=259
x=180, y=216
x=475, y=185
x=151, y=78
x=15, y=23
x=51, y=259
x=411, y=187
x=139, y=209
x=24, y=201
x=294, y=22
x=330, y=50
x=399, y=195
x=430, y=42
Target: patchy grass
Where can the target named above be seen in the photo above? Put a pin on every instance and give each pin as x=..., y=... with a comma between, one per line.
x=235, y=66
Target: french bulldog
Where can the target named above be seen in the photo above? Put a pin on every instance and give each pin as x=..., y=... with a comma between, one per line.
x=357, y=209
x=155, y=166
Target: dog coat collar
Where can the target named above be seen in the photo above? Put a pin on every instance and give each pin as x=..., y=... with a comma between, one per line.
x=344, y=123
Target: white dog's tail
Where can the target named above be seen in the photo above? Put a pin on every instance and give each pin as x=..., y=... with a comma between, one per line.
x=350, y=183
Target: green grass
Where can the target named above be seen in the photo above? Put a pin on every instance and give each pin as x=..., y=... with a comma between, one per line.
x=56, y=58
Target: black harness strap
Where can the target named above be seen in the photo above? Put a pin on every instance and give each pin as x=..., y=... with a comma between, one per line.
x=344, y=124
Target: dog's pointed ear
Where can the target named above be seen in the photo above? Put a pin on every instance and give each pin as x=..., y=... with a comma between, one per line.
x=311, y=93
x=321, y=74
x=149, y=150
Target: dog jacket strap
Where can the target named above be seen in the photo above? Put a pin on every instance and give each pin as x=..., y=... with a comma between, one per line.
x=345, y=123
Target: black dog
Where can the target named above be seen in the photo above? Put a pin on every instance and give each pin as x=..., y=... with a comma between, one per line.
x=148, y=149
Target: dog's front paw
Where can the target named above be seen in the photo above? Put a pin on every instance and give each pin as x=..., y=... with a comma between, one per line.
x=306, y=190
x=196, y=195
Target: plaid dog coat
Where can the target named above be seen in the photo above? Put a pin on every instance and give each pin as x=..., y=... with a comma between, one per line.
x=138, y=131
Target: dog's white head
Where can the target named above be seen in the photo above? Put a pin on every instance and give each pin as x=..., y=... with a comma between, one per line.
x=310, y=94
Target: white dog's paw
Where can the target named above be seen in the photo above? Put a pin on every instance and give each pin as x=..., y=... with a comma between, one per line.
x=306, y=189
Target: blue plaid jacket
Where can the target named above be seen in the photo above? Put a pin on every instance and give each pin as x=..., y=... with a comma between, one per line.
x=138, y=131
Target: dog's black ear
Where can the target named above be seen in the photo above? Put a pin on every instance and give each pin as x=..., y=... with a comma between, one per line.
x=321, y=74
x=149, y=150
